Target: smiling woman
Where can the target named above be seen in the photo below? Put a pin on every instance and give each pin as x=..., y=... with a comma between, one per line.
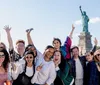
x=91, y=71
x=2, y=57
x=22, y=76
x=4, y=60
x=97, y=59
x=64, y=77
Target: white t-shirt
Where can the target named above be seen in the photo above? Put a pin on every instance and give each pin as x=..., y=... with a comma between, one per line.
x=29, y=71
x=47, y=74
x=79, y=69
x=19, y=70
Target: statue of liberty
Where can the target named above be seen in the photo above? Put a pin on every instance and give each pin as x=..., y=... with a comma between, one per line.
x=85, y=20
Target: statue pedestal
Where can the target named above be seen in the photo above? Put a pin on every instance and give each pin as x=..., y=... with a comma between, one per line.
x=85, y=42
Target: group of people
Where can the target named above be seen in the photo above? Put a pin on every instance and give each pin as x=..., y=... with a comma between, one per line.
x=58, y=65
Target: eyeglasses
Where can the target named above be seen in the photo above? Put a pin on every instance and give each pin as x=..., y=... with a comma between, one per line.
x=97, y=55
x=29, y=57
x=2, y=56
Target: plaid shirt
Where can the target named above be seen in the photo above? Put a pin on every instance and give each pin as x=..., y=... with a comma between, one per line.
x=14, y=55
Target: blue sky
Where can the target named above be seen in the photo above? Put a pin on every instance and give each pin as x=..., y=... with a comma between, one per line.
x=49, y=18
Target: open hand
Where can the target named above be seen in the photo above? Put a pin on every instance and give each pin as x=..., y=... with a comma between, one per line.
x=39, y=67
x=7, y=28
x=13, y=66
x=73, y=27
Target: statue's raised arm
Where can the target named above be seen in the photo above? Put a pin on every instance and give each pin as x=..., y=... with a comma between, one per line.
x=81, y=10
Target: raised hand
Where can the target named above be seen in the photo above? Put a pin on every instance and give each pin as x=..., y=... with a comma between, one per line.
x=71, y=33
x=39, y=67
x=57, y=62
x=13, y=66
x=7, y=28
x=73, y=27
x=95, y=41
x=81, y=50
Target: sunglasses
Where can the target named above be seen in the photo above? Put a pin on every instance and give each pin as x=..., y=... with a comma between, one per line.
x=29, y=57
x=2, y=56
x=97, y=55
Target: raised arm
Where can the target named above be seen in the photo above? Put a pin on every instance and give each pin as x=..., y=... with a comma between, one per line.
x=81, y=50
x=7, y=29
x=29, y=39
x=71, y=33
x=95, y=41
x=95, y=45
x=68, y=43
x=81, y=10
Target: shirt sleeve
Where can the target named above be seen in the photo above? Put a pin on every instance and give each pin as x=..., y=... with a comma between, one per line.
x=67, y=45
x=33, y=80
x=39, y=55
x=18, y=71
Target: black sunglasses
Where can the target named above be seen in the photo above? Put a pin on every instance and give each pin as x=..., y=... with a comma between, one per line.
x=29, y=57
x=97, y=55
x=2, y=56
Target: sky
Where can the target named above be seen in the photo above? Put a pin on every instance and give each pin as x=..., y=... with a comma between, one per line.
x=49, y=18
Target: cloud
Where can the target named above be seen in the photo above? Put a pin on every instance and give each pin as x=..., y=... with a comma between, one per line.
x=76, y=34
x=95, y=20
x=78, y=22
x=92, y=20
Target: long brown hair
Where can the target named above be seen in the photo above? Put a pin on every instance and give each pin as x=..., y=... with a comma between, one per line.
x=6, y=60
x=4, y=46
x=95, y=57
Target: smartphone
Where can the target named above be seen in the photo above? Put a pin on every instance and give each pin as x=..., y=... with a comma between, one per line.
x=29, y=29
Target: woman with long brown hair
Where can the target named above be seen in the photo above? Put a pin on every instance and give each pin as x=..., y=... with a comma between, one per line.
x=4, y=61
